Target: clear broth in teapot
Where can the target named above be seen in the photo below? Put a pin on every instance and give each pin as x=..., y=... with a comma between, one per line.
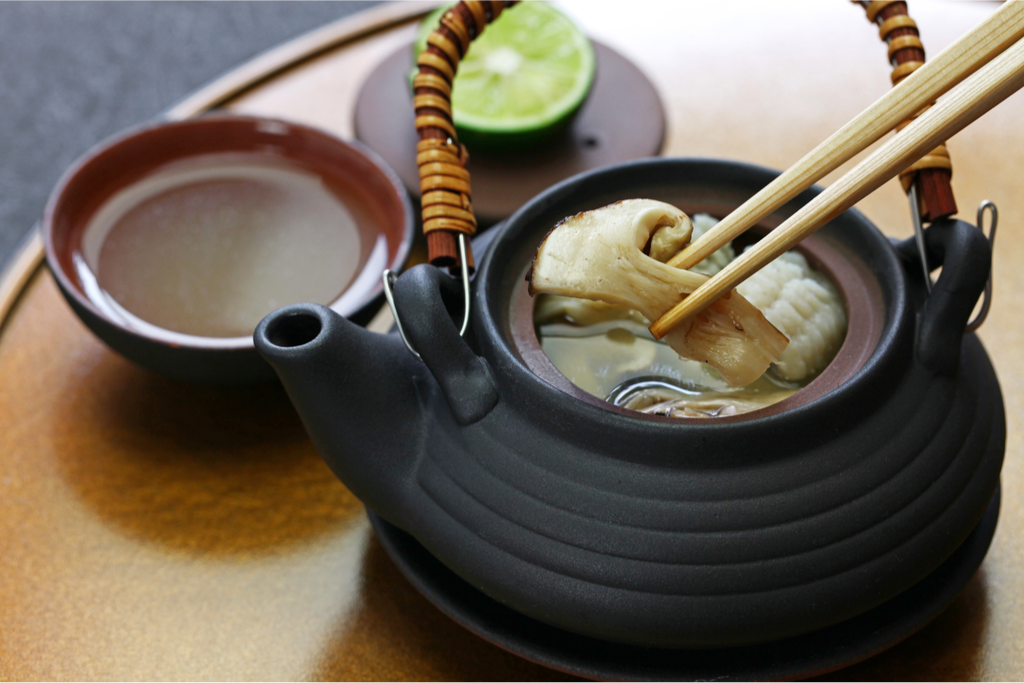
x=607, y=350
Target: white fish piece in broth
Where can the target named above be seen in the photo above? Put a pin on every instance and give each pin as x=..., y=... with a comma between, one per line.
x=808, y=309
x=716, y=260
x=599, y=255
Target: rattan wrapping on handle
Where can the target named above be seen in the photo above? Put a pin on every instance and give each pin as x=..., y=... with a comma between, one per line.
x=933, y=172
x=446, y=194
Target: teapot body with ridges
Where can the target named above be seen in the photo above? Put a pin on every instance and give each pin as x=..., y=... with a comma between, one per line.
x=650, y=530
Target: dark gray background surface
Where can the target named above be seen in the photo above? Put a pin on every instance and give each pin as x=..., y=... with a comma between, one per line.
x=74, y=73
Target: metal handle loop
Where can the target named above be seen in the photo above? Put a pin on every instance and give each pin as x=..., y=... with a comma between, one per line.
x=388, y=278
x=986, y=302
x=915, y=216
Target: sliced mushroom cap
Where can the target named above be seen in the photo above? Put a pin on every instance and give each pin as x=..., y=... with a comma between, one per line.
x=599, y=255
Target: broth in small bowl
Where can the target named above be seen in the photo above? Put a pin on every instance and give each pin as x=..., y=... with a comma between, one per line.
x=172, y=242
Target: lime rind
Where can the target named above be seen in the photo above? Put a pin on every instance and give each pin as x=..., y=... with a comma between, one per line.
x=530, y=71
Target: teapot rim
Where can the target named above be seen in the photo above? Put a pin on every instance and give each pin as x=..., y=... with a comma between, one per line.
x=496, y=315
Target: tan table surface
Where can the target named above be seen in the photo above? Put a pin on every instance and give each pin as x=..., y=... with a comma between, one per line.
x=154, y=530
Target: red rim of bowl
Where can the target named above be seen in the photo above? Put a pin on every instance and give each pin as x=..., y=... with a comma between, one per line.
x=60, y=243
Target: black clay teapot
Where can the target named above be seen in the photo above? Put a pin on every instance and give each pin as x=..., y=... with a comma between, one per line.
x=684, y=533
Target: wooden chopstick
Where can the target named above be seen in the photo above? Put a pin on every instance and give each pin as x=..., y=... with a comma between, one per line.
x=968, y=54
x=993, y=83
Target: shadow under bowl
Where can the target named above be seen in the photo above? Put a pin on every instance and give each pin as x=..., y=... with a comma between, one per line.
x=356, y=176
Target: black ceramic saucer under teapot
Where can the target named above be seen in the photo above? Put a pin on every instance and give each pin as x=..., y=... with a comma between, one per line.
x=651, y=530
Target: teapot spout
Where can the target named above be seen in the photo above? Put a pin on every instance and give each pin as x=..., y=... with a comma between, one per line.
x=355, y=392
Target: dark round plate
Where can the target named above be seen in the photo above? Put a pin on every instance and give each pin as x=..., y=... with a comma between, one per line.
x=802, y=657
x=621, y=120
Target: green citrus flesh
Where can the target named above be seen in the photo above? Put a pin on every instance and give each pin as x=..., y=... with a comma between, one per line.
x=527, y=74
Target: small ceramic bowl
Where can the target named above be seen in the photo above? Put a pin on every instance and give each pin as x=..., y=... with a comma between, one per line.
x=368, y=188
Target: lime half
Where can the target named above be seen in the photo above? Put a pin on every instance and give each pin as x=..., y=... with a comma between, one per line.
x=522, y=79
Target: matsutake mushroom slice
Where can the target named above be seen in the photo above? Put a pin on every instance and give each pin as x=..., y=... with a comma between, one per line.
x=599, y=255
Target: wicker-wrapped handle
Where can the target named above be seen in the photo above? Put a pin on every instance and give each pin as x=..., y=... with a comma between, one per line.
x=444, y=181
x=445, y=190
x=933, y=172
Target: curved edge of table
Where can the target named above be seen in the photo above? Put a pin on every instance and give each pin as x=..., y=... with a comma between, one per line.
x=271, y=63
x=19, y=271
x=29, y=257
